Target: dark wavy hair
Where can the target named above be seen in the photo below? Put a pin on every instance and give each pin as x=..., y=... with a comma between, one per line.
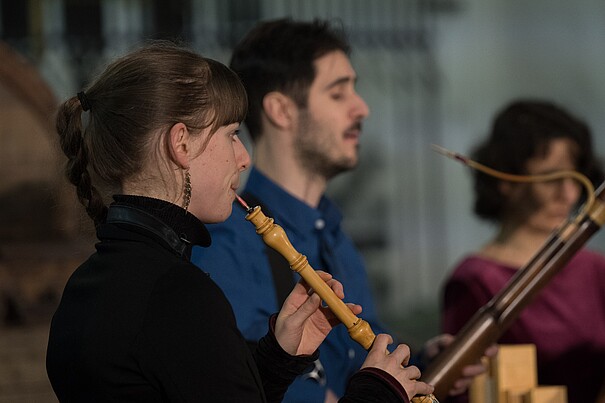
x=278, y=55
x=520, y=131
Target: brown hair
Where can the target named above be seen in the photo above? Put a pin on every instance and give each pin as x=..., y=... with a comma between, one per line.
x=136, y=100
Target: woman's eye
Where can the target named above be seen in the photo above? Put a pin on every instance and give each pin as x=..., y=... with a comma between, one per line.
x=337, y=96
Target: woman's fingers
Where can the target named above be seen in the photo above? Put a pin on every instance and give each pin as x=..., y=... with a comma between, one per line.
x=402, y=355
x=306, y=310
x=421, y=388
x=381, y=342
x=394, y=363
x=334, y=284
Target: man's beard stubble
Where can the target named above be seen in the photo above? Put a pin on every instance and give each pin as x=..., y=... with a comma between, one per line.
x=313, y=151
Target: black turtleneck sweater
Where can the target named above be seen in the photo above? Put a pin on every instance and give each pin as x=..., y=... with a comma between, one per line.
x=139, y=323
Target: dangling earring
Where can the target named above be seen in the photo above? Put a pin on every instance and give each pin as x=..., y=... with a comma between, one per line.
x=186, y=190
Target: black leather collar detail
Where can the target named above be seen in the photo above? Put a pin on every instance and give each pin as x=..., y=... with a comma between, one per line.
x=120, y=214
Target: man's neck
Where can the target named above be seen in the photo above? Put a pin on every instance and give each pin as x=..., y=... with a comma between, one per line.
x=280, y=165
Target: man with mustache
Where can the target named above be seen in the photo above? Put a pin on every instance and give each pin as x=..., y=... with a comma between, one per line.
x=305, y=120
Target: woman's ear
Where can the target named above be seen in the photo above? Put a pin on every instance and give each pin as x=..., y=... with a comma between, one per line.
x=279, y=109
x=179, y=145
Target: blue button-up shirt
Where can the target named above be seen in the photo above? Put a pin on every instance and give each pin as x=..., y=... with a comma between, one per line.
x=238, y=262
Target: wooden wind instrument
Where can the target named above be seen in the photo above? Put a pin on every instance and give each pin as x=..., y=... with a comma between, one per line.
x=275, y=237
x=490, y=322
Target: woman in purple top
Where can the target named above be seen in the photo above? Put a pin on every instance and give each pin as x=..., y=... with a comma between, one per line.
x=566, y=321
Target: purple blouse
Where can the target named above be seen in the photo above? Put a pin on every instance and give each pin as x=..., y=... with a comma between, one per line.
x=566, y=320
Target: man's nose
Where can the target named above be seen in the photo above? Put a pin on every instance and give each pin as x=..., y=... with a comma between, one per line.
x=360, y=108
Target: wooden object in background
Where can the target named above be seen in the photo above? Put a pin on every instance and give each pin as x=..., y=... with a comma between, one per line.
x=546, y=394
x=514, y=371
x=512, y=377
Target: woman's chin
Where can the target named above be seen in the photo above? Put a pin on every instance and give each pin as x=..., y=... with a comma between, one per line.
x=215, y=216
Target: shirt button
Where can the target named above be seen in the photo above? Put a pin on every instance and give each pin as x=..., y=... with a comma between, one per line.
x=351, y=354
x=320, y=224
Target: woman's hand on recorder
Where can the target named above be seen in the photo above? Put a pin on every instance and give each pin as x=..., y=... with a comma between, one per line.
x=302, y=323
x=395, y=364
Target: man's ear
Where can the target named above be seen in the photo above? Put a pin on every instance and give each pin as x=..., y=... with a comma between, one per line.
x=179, y=145
x=279, y=109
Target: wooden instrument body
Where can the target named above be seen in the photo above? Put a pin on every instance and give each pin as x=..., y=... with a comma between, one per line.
x=275, y=237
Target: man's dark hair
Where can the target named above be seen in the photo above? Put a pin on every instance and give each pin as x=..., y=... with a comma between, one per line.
x=523, y=130
x=278, y=55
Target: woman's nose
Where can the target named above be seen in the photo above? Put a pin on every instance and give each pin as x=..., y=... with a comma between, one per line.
x=242, y=156
x=569, y=190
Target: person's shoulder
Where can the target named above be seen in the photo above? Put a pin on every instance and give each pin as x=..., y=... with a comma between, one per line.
x=471, y=263
x=185, y=298
x=475, y=266
x=186, y=278
x=590, y=257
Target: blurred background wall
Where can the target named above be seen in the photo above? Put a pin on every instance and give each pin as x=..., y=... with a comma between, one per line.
x=432, y=71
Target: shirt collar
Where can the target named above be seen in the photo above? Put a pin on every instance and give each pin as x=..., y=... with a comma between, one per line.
x=288, y=210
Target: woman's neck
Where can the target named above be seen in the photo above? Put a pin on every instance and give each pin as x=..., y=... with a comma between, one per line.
x=514, y=247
